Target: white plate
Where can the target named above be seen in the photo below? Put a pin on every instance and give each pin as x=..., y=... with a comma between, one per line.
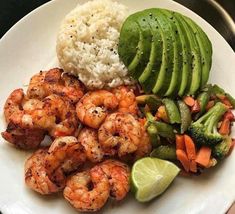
x=30, y=46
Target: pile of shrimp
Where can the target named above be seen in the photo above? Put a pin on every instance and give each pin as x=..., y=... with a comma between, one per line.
x=92, y=132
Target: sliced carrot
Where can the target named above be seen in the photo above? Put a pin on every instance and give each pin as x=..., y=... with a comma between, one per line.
x=196, y=107
x=203, y=156
x=182, y=157
x=162, y=114
x=189, y=101
x=190, y=147
x=193, y=166
x=225, y=100
x=225, y=127
x=229, y=115
x=179, y=141
x=210, y=104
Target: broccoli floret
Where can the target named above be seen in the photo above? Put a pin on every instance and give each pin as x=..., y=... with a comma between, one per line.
x=204, y=130
x=222, y=149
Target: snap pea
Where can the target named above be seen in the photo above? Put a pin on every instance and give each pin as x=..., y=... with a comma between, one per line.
x=172, y=111
x=203, y=99
x=163, y=129
x=165, y=152
x=185, y=116
x=153, y=134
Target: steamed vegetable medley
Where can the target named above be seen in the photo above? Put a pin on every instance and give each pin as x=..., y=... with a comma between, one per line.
x=137, y=136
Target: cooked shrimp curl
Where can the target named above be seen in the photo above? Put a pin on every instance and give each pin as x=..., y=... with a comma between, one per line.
x=64, y=156
x=57, y=115
x=88, y=138
x=55, y=81
x=36, y=176
x=127, y=99
x=21, y=130
x=93, y=108
x=120, y=132
x=88, y=191
x=118, y=174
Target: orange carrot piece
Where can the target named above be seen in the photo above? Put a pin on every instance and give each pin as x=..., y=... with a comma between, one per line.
x=179, y=141
x=182, y=157
x=162, y=114
x=203, y=156
x=193, y=166
x=229, y=115
x=196, y=107
x=225, y=127
x=189, y=101
x=225, y=100
x=190, y=147
x=210, y=104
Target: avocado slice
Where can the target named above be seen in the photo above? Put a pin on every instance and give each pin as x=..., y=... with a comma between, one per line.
x=177, y=45
x=130, y=34
x=205, y=49
x=138, y=57
x=146, y=37
x=186, y=56
x=163, y=81
x=196, y=58
x=150, y=73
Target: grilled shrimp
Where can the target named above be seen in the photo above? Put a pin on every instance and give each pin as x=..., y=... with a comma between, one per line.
x=55, y=81
x=57, y=115
x=127, y=100
x=64, y=156
x=89, y=190
x=120, y=132
x=36, y=176
x=92, y=108
x=21, y=131
x=118, y=174
x=89, y=139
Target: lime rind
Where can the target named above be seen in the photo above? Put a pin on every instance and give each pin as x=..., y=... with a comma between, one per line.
x=150, y=177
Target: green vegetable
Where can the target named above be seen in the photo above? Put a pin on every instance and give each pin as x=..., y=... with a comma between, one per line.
x=185, y=116
x=222, y=149
x=165, y=152
x=153, y=134
x=203, y=98
x=172, y=111
x=163, y=129
x=218, y=90
x=204, y=130
x=169, y=54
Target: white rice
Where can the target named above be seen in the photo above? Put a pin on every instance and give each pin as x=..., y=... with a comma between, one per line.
x=87, y=44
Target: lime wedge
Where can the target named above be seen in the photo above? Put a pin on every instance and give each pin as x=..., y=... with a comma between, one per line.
x=150, y=177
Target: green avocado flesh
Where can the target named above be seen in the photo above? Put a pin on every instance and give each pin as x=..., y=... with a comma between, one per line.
x=168, y=53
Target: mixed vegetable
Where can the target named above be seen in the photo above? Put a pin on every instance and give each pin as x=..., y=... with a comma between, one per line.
x=193, y=131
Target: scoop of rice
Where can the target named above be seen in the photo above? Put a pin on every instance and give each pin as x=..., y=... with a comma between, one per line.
x=87, y=44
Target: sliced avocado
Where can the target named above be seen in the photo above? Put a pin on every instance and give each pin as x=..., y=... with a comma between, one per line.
x=205, y=50
x=147, y=40
x=150, y=73
x=177, y=45
x=186, y=56
x=163, y=81
x=138, y=57
x=196, y=58
x=130, y=34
